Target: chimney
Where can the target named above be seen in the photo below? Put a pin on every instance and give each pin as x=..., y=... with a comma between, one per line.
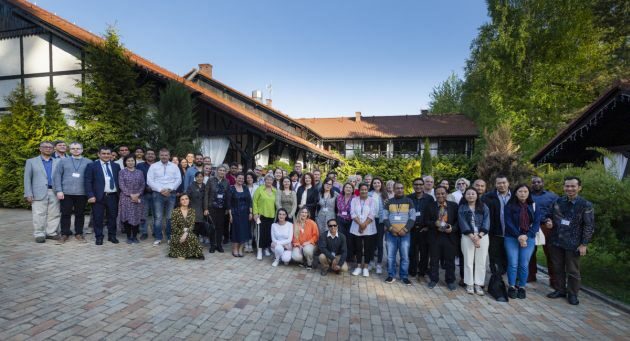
x=257, y=95
x=357, y=116
x=268, y=102
x=206, y=70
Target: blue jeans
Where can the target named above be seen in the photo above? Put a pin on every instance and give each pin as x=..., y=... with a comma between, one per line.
x=148, y=205
x=162, y=207
x=395, y=243
x=518, y=260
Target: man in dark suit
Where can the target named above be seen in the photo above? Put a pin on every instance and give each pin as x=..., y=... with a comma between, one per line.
x=496, y=201
x=101, y=187
x=442, y=221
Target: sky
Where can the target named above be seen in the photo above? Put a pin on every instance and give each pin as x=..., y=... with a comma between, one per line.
x=323, y=58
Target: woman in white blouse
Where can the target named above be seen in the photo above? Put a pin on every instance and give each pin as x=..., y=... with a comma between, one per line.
x=281, y=237
x=363, y=210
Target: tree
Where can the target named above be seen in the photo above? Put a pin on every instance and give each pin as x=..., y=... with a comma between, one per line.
x=113, y=107
x=426, y=163
x=502, y=157
x=20, y=134
x=54, y=124
x=446, y=98
x=176, y=120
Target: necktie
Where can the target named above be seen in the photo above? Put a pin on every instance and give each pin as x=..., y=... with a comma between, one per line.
x=111, y=177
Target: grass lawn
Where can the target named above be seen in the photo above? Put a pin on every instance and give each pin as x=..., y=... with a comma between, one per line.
x=605, y=279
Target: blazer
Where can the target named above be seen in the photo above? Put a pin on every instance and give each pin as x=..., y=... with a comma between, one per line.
x=491, y=199
x=312, y=199
x=453, y=219
x=35, y=179
x=95, y=179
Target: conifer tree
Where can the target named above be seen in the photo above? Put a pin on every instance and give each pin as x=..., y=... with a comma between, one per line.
x=176, y=121
x=54, y=124
x=426, y=163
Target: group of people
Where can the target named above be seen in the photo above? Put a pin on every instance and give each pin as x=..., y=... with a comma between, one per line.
x=301, y=218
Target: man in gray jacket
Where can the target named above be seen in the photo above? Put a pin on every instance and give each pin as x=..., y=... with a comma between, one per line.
x=38, y=191
x=70, y=188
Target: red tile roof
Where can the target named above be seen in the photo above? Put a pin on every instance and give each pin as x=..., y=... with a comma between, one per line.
x=206, y=95
x=447, y=125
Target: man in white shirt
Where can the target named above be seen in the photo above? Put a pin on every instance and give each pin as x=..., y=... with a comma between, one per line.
x=123, y=152
x=164, y=178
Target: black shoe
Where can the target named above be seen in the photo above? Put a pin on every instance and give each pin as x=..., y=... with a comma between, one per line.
x=324, y=272
x=212, y=249
x=113, y=239
x=220, y=248
x=40, y=239
x=389, y=280
x=407, y=282
x=99, y=241
x=521, y=293
x=144, y=236
x=556, y=294
x=512, y=292
x=432, y=285
x=451, y=286
x=573, y=300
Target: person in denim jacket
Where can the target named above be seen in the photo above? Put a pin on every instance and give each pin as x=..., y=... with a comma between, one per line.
x=474, y=224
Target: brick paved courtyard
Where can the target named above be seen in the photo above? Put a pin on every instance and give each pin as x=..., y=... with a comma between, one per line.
x=77, y=291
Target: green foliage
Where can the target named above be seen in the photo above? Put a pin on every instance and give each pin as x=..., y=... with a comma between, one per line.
x=446, y=98
x=453, y=167
x=427, y=165
x=396, y=168
x=536, y=63
x=176, y=121
x=501, y=157
x=21, y=131
x=54, y=122
x=282, y=165
x=113, y=107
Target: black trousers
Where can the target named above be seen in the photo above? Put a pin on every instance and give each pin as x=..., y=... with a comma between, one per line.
x=364, y=248
x=566, y=264
x=442, y=248
x=73, y=204
x=218, y=217
x=201, y=228
x=344, y=228
x=265, y=232
x=131, y=230
x=107, y=207
x=497, y=255
x=419, y=253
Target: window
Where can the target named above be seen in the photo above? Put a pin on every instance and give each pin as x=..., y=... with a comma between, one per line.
x=406, y=147
x=375, y=147
x=452, y=147
x=338, y=146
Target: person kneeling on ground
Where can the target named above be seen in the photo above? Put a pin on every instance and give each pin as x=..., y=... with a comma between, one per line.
x=281, y=238
x=334, y=251
x=305, y=236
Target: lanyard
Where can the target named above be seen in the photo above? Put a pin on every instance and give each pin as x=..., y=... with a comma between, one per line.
x=76, y=169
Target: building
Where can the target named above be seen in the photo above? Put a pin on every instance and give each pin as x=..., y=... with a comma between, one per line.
x=604, y=124
x=403, y=135
x=39, y=49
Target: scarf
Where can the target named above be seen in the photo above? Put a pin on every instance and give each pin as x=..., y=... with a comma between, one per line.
x=443, y=214
x=523, y=218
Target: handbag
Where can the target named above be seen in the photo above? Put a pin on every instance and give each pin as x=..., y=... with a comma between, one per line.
x=496, y=286
x=540, y=236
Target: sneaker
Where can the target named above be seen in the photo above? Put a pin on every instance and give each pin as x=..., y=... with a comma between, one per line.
x=521, y=293
x=309, y=267
x=451, y=286
x=390, y=280
x=129, y=241
x=357, y=271
x=135, y=240
x=324, y=272
x=370, y=266
x=432, y=285
x=407, y=282
x=259, y=254
x=512, y=292
x=144, y=236
x=275, y=262
x=366, y=272
x=479, y=290
x=157, y=242
x=40, y=239
x=470, y=289
x=379, y=269
x=267, y=253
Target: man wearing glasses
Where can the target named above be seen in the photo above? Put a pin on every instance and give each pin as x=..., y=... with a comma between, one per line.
x=38, y=191
x=419, y=250
x=332, y=246
x=69, y=185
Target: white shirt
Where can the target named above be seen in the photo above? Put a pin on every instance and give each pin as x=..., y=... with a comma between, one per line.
x=455, y=196
x=107, y=178
x=163, y=175
x=363, y=209
x=282, y=234
x=333, y=237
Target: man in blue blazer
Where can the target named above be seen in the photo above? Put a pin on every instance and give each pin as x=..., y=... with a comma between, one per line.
x=101, y=187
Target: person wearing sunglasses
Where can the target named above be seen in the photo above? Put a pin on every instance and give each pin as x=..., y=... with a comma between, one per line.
x=333, y=248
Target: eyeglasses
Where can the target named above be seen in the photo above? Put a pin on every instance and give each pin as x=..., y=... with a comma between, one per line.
x=332, y=225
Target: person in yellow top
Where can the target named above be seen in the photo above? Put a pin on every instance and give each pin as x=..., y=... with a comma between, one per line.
x=264, y=204
x=305, y=237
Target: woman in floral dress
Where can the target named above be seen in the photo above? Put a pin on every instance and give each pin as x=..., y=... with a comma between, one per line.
x=131, y=207
x=184, y=242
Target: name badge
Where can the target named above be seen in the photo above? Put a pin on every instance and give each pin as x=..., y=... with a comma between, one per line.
x=565, y=222
x=325, y=209
x=76, y=175
x=107, y=178
x=219, y=196
x=397, y=218
x=333, y=254
x=418, y=214
x=344, y=213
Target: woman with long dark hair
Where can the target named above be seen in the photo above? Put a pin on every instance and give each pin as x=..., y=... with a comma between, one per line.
x=474, y=223
x=326, y=206
x=307, y=195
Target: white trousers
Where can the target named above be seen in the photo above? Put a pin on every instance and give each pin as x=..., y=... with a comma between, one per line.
x=46, y=215
x=307, y=251
x=475, y=260
x=280, y=252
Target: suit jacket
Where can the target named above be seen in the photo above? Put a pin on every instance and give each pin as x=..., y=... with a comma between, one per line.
x=312, y=199
x=491, y=199
x=95, y=179
x=453, y=219
x=35, y=179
